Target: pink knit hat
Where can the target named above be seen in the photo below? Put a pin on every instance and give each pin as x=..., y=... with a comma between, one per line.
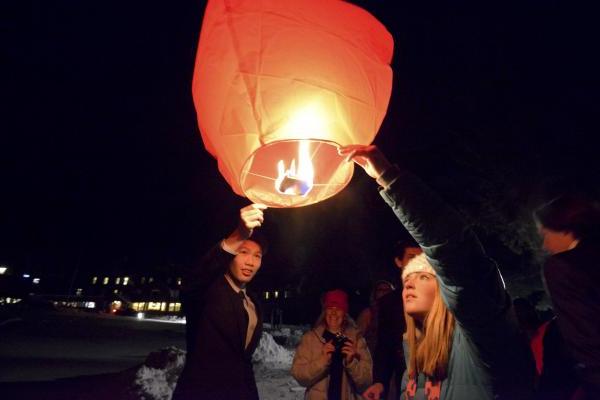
x=336, y=298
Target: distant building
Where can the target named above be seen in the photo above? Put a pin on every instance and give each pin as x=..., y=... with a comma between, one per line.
x=133, y=293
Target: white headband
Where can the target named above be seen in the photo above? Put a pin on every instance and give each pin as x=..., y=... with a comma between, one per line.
x=417, y=264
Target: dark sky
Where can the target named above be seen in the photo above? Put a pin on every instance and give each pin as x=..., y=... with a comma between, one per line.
x=103, y=165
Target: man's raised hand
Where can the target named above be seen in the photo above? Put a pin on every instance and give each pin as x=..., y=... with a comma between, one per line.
x=251, y=217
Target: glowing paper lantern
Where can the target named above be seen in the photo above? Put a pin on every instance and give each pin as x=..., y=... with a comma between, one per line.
x=279, y=84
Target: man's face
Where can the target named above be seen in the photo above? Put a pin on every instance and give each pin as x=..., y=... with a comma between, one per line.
x=556, y=242
x=381, y=290
x=409, y=253
x=246, y=263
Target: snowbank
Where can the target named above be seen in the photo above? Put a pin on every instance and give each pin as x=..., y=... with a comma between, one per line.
x=270, y=353
x=156, y=379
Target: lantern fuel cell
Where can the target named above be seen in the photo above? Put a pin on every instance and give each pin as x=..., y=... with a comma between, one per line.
x=293, y=186
x=289, y=81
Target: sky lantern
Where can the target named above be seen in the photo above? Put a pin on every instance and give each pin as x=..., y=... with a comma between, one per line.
x=280, y=84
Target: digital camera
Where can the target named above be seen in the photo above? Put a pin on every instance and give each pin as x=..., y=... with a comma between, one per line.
x=339, y=341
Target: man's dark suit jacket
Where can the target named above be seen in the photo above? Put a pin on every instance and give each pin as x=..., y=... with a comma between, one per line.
x=389, y=351
x=217, y=364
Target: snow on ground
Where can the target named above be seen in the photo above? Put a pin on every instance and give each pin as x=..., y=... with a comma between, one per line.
x=106, y=356
x=156, y=379
x=272, y=371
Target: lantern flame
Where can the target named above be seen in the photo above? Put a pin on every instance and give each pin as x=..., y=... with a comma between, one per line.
x=292, y=181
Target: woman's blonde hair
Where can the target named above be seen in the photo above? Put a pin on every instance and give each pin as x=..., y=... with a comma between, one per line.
x=429, y=349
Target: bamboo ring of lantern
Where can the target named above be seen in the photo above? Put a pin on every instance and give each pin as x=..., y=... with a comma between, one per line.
x=279, y=85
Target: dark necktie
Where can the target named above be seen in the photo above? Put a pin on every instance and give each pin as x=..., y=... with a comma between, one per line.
x=251, y=321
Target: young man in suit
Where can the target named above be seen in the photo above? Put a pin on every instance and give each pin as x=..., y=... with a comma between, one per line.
x=224, y=322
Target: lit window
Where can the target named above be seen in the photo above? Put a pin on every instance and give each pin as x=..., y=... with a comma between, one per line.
x=105, y=280
x=36, y=281
x=94, y=280
x=3, y=270
x=286, y=294
x=276, y=294
x=125, y=281
x=116, y=291
x=179, y=281
x=267, y=295
x=117, y=280
x=153, y=306
x=143, y=280
x=163, y=307
x=79, y=292
x=150, y=280
x=177, y=307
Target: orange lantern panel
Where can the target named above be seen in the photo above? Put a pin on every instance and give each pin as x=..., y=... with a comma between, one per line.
x=279, y=85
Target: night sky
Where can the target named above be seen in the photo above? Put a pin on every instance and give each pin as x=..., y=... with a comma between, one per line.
x=103, y=166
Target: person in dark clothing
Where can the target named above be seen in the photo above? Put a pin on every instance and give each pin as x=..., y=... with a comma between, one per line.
x=224, y=321
x=367, y=320
x=555, y=375
x=570, y=227
x=388, y=356
x=556, y=379
x=462, y=335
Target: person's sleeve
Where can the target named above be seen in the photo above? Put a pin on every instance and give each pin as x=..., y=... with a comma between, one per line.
x=363, y=320
x=577, y=319
x=470, y=281
x=308, y=368
x=360, y=368
x=384, y=354
x=201, y=273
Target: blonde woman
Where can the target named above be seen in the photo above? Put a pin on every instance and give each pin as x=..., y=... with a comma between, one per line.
x=462, y=338
x=332, y=360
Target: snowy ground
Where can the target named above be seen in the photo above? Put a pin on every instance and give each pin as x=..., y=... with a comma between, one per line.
x=89, y=356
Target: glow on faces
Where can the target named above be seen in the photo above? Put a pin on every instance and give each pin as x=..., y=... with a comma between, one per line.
x=419, y=293
x=334, y=317
x=246, y=262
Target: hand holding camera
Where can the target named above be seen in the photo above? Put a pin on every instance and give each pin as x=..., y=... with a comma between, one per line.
x=327, y=350
x=345, y=346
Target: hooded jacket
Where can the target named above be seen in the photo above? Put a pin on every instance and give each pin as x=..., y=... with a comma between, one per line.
x=312, y=372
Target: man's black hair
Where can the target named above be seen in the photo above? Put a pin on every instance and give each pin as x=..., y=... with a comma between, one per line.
x=572, y=212
x=401, y=245
x=261, y=240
